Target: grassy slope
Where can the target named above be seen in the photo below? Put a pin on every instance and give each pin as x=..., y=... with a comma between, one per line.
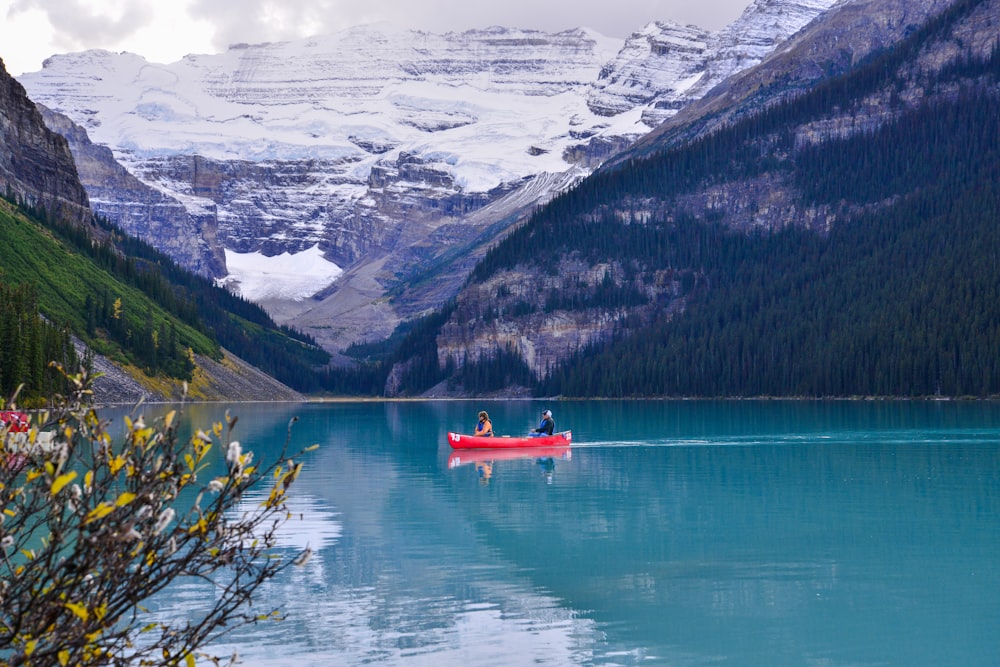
x=29, y=253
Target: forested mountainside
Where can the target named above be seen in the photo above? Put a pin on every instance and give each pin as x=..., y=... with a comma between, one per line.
x=839, y=242
x=127, y=302
x=68, y=276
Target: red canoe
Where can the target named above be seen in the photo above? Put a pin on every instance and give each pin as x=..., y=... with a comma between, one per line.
x=460, y=441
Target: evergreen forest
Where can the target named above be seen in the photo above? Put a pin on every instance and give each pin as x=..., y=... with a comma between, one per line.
x=29, y=345
x=901, y=297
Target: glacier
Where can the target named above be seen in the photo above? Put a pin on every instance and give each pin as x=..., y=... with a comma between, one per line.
x=294, y=276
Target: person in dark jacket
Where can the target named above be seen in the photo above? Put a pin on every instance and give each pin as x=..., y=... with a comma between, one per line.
x=546, y=426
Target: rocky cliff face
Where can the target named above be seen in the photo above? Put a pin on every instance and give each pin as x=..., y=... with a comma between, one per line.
x=36, y=165
x=658, y=53
x=513, y=310
x=188, y=237
x=666, y=66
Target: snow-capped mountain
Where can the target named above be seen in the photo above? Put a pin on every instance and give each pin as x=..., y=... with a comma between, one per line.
x=388, y=151
x=664, y=66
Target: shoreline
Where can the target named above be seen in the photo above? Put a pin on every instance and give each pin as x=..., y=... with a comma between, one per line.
x=432, y=399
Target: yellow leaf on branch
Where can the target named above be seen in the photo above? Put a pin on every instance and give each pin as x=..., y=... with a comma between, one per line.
x=200, y=527
x=61, y=481
x=79, y=609
x=99, y=512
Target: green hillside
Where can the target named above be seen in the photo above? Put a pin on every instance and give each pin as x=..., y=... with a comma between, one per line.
x=133, y=305
x=71, y=291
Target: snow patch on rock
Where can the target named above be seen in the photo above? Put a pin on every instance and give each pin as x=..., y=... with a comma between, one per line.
x=295, y=276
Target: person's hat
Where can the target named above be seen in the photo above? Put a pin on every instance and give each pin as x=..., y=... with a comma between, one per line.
x=546, y=413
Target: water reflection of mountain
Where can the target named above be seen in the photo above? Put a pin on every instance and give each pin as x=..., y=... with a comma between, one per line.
x=639, y=552
x=392, y=574
x=417, y=575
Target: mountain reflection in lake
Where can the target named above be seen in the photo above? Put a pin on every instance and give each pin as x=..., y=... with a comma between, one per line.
x=675, y=533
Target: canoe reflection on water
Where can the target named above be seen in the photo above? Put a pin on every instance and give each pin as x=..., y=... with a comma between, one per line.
x=485, y=459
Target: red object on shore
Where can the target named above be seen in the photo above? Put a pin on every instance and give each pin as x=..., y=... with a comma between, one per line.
x=461, y=441
x=12, y=421
x=15, y=422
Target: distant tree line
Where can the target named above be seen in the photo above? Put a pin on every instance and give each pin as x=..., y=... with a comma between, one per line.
x=501, y=368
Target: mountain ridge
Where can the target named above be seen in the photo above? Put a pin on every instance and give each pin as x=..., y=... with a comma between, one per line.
x=705, y=238
x=387, y=195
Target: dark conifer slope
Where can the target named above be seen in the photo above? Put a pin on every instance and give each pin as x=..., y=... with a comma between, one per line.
x=900, y=296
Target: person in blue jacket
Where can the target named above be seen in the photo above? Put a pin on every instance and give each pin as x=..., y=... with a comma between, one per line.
x=546, y=426
x=485, y=426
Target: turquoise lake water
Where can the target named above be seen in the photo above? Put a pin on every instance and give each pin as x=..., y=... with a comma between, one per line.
x=671, y=533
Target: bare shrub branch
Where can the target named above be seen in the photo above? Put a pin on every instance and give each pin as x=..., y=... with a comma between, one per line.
x=91, y=529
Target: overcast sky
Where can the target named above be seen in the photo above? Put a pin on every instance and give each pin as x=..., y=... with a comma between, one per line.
x=166, y=30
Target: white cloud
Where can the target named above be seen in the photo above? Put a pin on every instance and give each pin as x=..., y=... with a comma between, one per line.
x=165, y=31
x=252, y=21
x=76, y=23
x=32, y=30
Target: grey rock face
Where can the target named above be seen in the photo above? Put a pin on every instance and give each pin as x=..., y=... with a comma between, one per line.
x=36, y=165
x=189, y=238
x=665, y=66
